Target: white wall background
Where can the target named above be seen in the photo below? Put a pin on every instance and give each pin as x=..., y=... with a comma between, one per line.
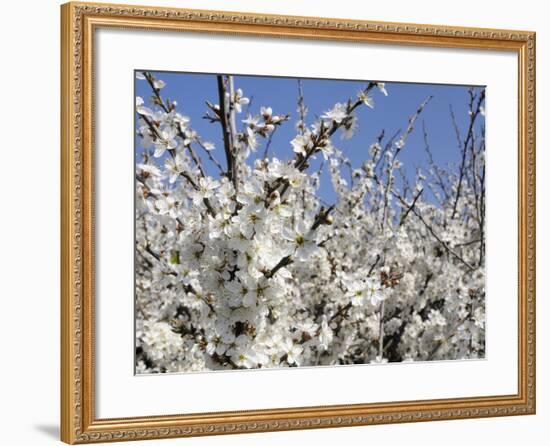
x=29, y=222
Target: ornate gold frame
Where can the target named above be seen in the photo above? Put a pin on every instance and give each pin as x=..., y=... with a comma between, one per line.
x=78, y=423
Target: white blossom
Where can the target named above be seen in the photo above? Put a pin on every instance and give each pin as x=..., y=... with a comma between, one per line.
x=337, y=114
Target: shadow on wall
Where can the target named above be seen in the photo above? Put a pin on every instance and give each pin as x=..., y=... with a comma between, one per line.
x=49, y=430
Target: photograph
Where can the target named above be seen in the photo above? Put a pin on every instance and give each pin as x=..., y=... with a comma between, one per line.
x=301, y=222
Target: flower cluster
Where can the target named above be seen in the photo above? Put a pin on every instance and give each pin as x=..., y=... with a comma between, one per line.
x=247, y=267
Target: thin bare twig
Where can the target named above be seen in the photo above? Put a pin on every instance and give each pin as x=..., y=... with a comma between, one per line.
x=268, y=144
x=474, y=112
x=226, y=130
x=156, y=91
x=431, y=161
x=302, y=109
x=428, y=227
x=404, y=217
x=445, y=245
x=211, y=157
x=408, y=131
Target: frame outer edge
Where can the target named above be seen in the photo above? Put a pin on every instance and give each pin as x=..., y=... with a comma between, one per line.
x=531, y=145
x=527, y=221
x=68, y=317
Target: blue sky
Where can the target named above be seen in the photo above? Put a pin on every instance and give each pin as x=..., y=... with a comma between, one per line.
x=390, y=113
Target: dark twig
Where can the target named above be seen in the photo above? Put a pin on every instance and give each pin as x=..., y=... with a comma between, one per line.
x=474, y=112
x=428, y=227
x=431, y=161
x=302, y=109
x=444, y=244
x=268, y=144
x=156, y=91
x=287, y=260
x=406, y=214
x=226, y=130
x=210, y=156
x=408, y=131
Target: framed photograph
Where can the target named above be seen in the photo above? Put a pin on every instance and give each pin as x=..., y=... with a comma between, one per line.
x=275, y=223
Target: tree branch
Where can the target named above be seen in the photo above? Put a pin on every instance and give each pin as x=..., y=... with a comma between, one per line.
x=226, y=130
x=404, y=217
x=473, y=116
x=156, y=91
